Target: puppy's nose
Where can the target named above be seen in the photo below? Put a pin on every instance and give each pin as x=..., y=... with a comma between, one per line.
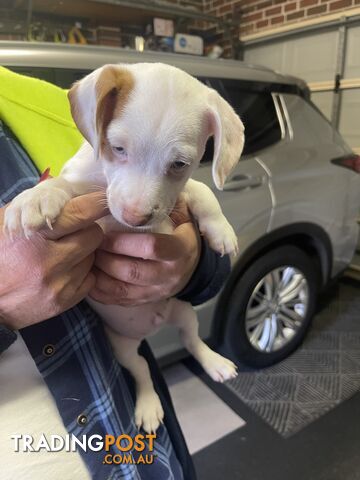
x=136, y=219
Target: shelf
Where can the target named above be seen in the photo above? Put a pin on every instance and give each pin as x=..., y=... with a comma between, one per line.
x=110, y=11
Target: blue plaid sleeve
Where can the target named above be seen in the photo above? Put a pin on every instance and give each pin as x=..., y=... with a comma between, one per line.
x=93, y=394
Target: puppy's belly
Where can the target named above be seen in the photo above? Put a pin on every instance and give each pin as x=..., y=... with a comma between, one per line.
x=134, y=322
x=140, y=321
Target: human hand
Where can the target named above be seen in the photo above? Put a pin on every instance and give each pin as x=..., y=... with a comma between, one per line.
x=50, y=272
x=138, y=268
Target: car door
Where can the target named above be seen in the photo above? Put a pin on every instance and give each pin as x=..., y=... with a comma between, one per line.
x=245, y=199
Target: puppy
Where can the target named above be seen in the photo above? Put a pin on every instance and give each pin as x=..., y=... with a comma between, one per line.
x=146, y=128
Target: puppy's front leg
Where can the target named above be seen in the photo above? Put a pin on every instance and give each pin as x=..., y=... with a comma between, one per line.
x=34, y=208
x=212, y=223
x=148, y=410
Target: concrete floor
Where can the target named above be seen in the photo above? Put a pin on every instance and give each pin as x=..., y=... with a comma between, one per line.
x=229, y=441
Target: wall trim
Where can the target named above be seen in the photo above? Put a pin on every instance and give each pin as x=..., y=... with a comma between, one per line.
x=330, y=19
x=326, y=86
x=348, y=83
x=321, y=86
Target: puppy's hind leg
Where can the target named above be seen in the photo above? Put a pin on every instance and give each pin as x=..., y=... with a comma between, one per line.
x=148, y=410
x=184, y=317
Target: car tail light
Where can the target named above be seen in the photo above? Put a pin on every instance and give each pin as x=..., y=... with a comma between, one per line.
x=349, y=161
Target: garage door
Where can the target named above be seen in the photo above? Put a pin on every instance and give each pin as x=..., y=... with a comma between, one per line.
x=318, y=57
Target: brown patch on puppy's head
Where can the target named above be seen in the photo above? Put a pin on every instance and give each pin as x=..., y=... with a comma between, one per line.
x=111, y=90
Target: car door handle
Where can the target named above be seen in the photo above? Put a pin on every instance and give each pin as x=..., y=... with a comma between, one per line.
x=240, y=182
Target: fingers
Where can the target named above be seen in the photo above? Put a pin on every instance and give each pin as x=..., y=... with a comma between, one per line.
x=130, y=269
x=77, y=246
x=133, y=269
x=148, y=246
x=78, y=213
x=116, y=292
x=153, y=246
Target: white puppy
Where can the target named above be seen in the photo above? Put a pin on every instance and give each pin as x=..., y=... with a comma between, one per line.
x=146, y=127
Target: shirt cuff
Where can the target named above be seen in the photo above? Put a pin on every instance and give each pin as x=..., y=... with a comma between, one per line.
x=208, y=278
x=7, y=337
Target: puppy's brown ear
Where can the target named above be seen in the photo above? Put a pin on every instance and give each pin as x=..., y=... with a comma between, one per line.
x=113, y=88
x=228, y=131
x=82, y=98
x=96, y=99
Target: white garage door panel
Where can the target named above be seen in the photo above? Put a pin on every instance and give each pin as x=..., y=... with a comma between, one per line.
x=268, y=55
x=350, y=117
x=312, y=58
x=352, y=62
x=323, y=100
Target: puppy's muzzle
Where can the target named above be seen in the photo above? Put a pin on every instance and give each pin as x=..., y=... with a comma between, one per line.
x=134, y=218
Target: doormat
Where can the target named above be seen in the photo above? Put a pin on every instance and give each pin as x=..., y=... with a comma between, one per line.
x=320, y=375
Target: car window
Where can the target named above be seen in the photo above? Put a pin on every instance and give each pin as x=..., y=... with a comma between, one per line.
x=46, y=74
x=253, y=103
x=62, y=77
x=65, y=77
x=257, y=111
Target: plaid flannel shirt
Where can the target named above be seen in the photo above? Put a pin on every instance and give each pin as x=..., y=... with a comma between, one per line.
x=94, y=395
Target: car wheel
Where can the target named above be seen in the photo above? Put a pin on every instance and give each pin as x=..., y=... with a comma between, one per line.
x=271, y=306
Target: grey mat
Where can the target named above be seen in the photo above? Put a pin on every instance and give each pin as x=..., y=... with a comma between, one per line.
x=320, y=375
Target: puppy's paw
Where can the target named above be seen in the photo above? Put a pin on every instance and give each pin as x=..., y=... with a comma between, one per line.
x=220, y=235
x=33, y=209
x=218, y=367
x=149, y=413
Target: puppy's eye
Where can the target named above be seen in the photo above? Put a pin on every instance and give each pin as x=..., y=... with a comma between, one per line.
x=120, y=150
x=178, y=166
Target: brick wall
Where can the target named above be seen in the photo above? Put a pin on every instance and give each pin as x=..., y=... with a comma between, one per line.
x=197, y=4
x=260, y=15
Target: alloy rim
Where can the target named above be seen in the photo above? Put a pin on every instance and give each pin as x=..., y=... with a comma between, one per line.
x=277, y=308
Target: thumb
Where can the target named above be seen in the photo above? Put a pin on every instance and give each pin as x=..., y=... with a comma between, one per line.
x=180, y=213
x=79, y=213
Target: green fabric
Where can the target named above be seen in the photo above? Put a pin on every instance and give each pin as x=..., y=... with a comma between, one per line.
x=38, y=113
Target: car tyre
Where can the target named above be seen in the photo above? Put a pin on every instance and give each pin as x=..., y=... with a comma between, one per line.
x=271, y=306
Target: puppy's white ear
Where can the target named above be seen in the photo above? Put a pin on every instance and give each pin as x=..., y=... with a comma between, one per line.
x=95, y=99
x=228, y=131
